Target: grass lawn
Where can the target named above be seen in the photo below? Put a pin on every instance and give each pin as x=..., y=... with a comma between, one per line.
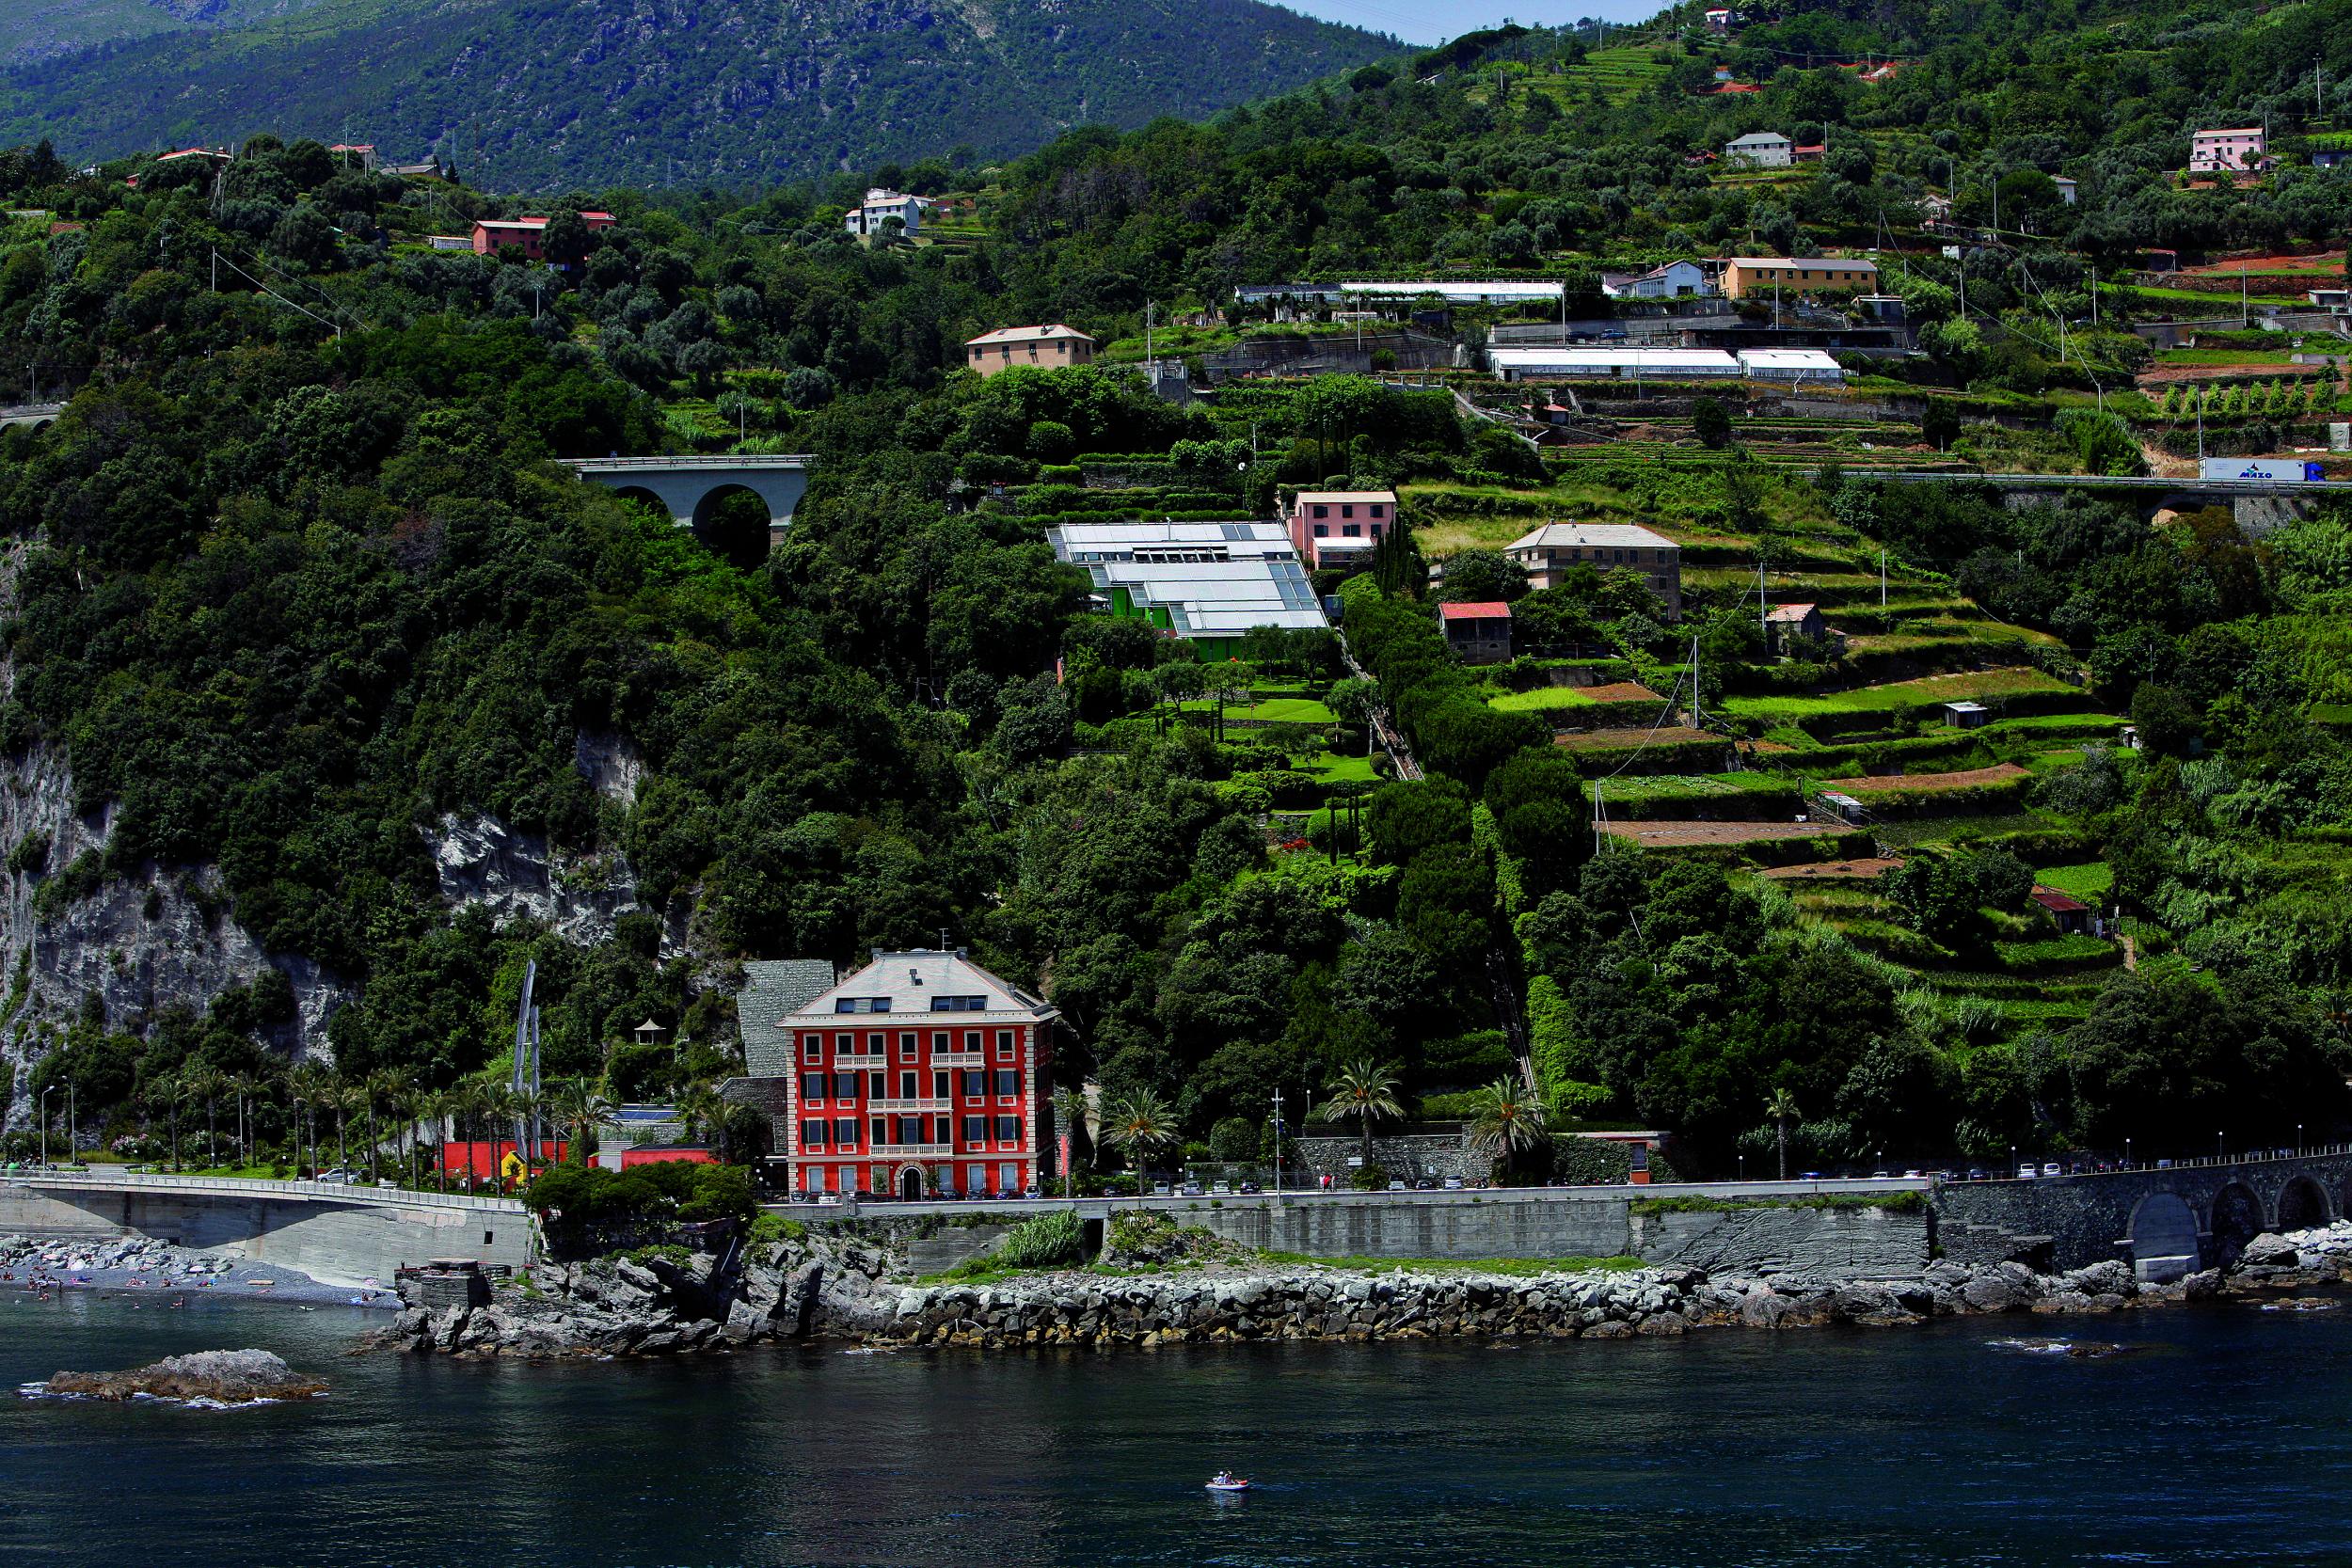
x=1546, y=699
x=2088, y=881
x=1516, y=1267
x=1641, y=786
x=1339, y=769
x=1899, y=696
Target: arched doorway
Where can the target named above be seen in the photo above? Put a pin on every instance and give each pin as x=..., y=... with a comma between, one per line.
x=2237, y=1219
x=911, y=1183
x=2163, y=1235
x=2303, y=1205
x=732, y=522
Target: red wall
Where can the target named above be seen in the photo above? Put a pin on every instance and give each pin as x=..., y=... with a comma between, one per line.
x=482, y=1159
x=655, y=1156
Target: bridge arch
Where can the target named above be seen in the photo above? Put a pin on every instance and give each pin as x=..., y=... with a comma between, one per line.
x=735, y=521
x=2163, y=1238
x=641, y=494
x=2236, y=1219
x=2303, y=1205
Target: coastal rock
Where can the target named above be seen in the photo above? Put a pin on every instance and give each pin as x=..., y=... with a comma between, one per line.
x=1991, y=1293
x=2269, y=1250
x=222, y=1376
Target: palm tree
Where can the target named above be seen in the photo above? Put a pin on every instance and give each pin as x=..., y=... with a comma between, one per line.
x=311, y=1084
x=1510, y=1121
x=581, y=1108
x=1139, y=1124
x=380, y=1085
x=206, y=1083
x=1366, y=1090
x=415, y=1106
x=168, y=1089
x=1782, y=1108
x=698, y=1108
x=341, y=1097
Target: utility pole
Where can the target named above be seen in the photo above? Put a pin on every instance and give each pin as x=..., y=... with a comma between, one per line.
x=1277, y=1143
x=1696, y=714
x=1881, y=586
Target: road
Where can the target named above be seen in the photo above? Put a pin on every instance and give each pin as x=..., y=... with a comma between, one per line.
x=1097, y=1207
x=2102, y=481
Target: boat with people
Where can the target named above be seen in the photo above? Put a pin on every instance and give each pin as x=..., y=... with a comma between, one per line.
x=1225, y=1481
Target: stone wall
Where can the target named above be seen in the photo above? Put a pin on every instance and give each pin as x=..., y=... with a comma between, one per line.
x=1406, y=1156
x=1760, y=1239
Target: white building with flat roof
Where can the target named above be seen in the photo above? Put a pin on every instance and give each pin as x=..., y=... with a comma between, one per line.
x=1628, y=364
x=1550, y=551
x=1455, y=291
x=1789, y=364
x=1213, y=583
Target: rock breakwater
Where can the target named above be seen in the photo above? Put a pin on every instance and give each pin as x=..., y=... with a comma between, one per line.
x=823, y=1288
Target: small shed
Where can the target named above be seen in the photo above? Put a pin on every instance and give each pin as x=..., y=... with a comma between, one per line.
x=1785, y=622
x=2071, y=915
x=1845, y=806
x=1478, y=633
x=1966, y=715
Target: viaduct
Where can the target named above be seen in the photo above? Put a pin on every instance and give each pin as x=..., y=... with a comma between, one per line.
x=689, y=487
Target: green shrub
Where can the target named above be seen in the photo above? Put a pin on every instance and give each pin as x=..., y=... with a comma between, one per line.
x=1042, y=1242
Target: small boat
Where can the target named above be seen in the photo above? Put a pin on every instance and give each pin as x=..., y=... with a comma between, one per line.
x=1225, y=1481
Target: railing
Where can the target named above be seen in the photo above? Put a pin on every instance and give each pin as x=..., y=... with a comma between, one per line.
x=860, y=1059
x=53, y=1176
x=959, y=1058
x=886, y=1107
x=909, y=1151
x=768, y=460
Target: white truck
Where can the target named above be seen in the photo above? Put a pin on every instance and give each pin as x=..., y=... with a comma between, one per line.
x=2277, y=470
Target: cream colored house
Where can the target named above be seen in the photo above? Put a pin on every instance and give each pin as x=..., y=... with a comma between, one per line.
x=1054, y=347
x=1552, y=550
x=1757, y=275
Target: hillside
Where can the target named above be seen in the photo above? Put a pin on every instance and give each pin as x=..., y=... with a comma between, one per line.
x=736, y=92
x=330, y=701
x=48, y=28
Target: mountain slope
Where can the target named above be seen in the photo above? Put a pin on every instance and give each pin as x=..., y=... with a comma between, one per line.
x=537, y=92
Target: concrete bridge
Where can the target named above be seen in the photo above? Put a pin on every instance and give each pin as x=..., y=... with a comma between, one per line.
x=336, y=1234
x=2165, y=1222
x=32, y=416
x=689, y=488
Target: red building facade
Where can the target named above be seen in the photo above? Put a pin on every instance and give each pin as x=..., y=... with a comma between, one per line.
x=918, y=1073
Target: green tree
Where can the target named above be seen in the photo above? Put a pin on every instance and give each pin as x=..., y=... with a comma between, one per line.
x=1364, y=1091
x=1141, y=1124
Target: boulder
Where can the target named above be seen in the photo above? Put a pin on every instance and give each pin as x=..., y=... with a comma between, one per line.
x=1992, y=1292
x=2267, y=1250
x=227, y=1376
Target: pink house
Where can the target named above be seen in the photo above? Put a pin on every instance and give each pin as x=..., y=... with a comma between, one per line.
x=2228, y=151
x=1338, y=529
x=529, y=235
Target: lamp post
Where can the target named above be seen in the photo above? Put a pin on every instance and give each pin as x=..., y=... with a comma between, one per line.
x=2216, y=1146
x=44, y=1124
x=2127, y=1153
x=1277, y=1143
x=299, y=1106
x=72, y=1123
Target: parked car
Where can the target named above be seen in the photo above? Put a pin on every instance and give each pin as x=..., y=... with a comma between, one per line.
x=1423, y=1184
x=1453, y=1183
x=337, y=1177
x=1976, y=1175
x=2051, y=1169
x=1220, y=1189
x=2027, y=1171
x=1917, y=1175
x=1190, y=1188
x=1395, y=1186
x=1160, y=1189
x=1882, y=1175
x=829, y=1201
x=1249, y=1187
x=948, y=1193
x=1031, y=1191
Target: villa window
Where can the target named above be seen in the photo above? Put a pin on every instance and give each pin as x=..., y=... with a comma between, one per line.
x=1008, y=1129
x=812, y=1134
x=811, y=1085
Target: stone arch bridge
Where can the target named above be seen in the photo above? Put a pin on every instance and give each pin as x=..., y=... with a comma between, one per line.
x=2165, y=1222
x=689, y=487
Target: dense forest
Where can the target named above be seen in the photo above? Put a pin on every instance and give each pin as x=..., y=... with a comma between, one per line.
x=295, y=579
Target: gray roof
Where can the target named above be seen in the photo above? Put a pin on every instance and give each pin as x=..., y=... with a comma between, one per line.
x=773, y=990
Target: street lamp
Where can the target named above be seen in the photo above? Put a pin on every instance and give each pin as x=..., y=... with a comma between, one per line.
x=2216, y=1146
x=2127, y=1153
x=44, y=1124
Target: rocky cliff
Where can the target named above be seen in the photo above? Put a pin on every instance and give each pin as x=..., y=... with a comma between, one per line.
x=163, y=936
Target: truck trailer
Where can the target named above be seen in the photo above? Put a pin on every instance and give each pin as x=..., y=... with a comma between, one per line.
x=2277, y=470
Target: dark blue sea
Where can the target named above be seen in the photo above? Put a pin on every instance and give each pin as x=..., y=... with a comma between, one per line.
x=2224, y=1437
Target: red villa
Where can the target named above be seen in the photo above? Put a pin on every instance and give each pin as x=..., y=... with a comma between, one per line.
x=529, y=235
x=939, y=1093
